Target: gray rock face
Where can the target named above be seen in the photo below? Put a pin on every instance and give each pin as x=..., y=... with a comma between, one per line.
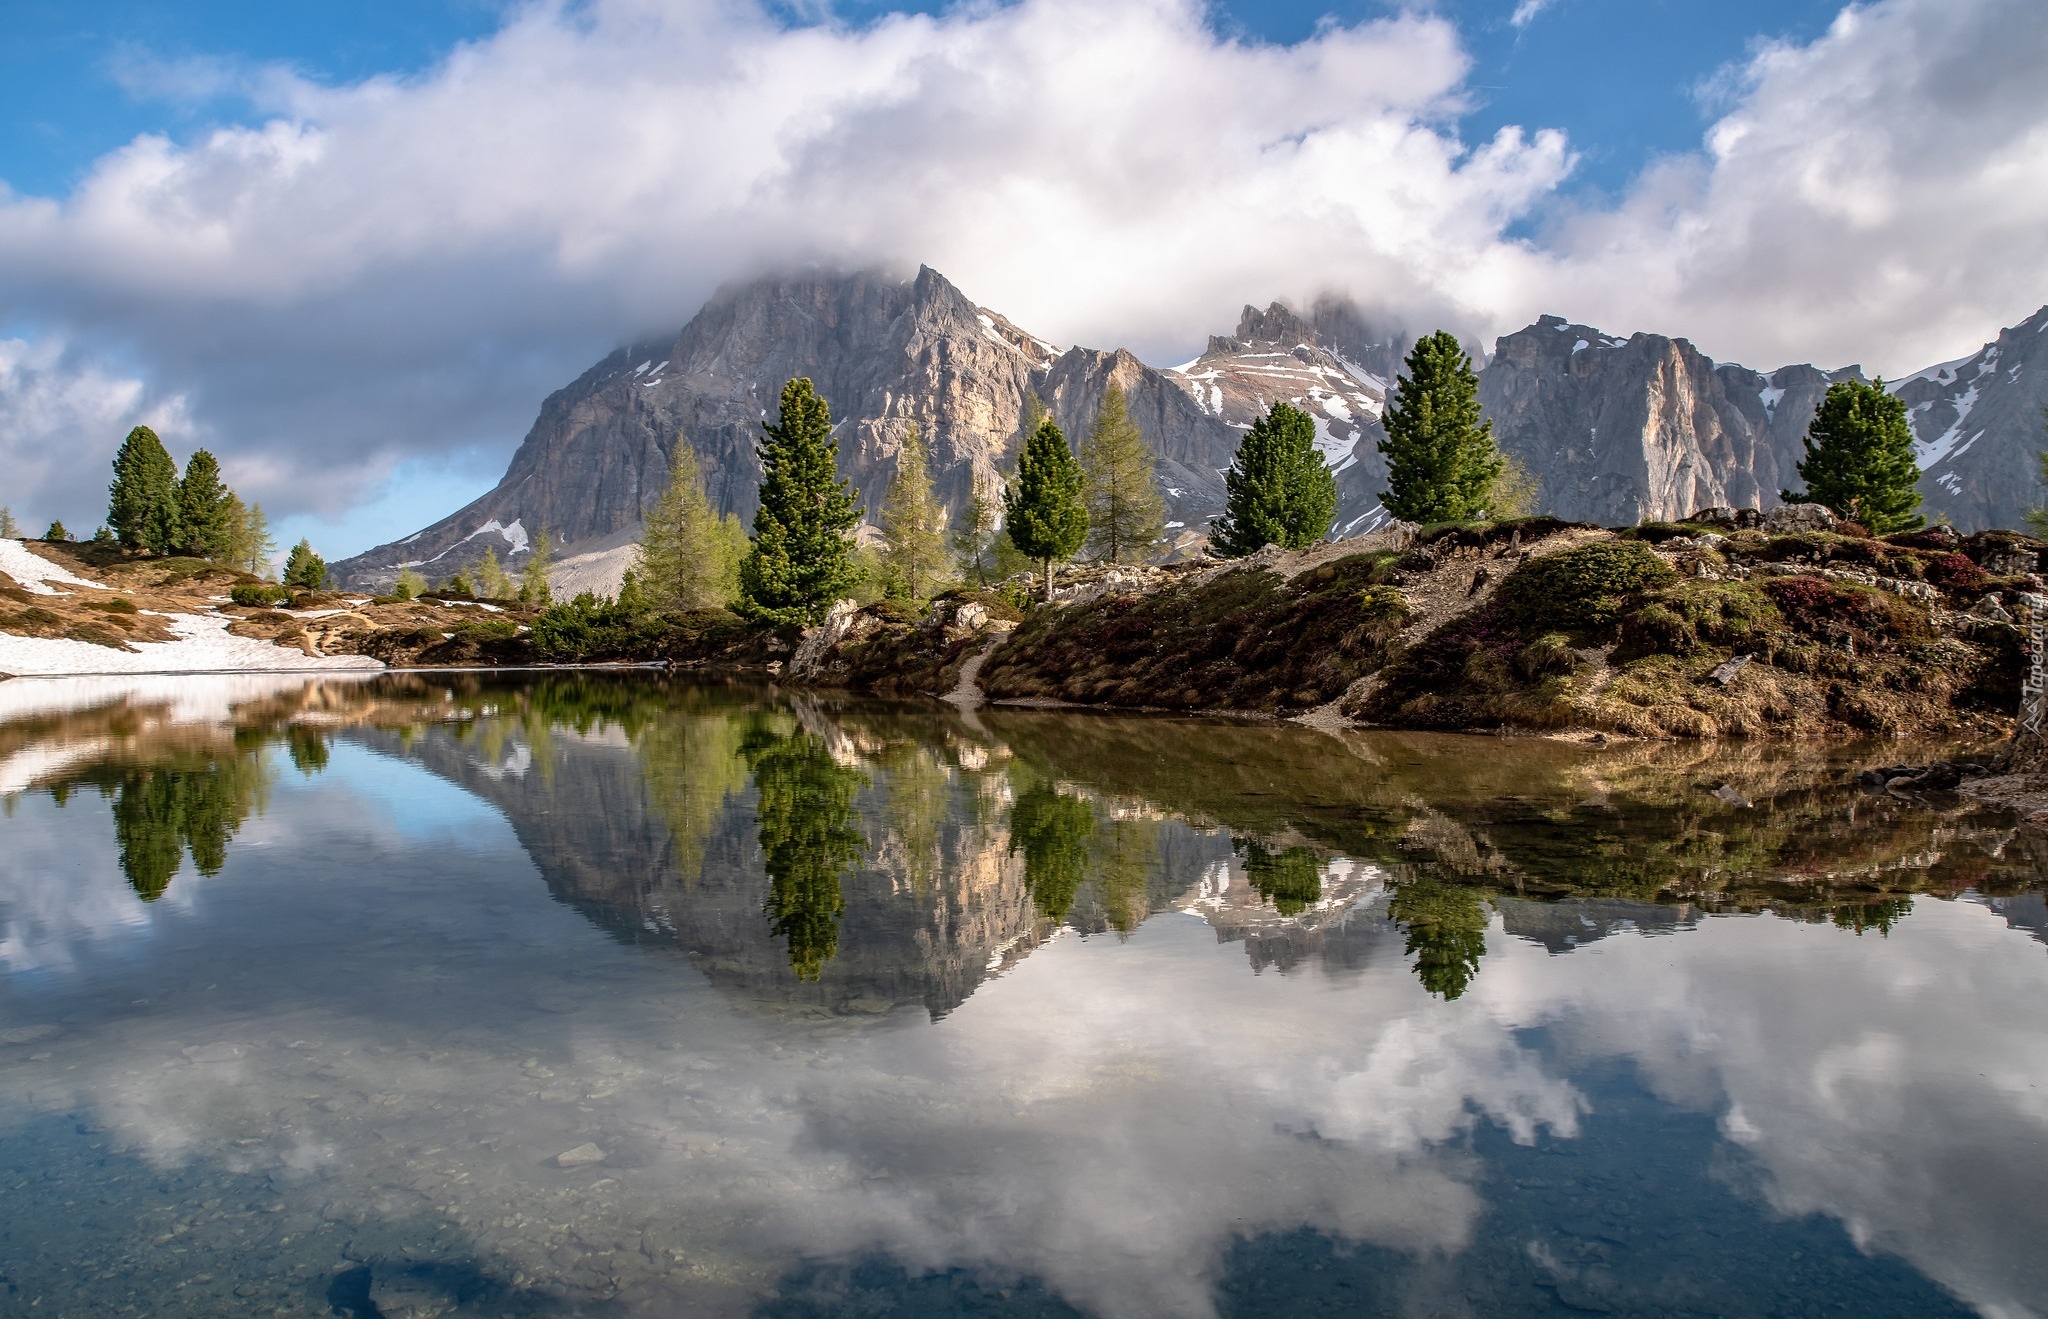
x=1979, y=426
x=1622, y=430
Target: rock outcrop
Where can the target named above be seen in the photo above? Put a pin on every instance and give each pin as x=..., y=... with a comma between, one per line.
x=1618, y=431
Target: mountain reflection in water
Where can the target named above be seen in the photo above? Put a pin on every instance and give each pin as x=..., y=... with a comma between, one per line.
x=331, y=1007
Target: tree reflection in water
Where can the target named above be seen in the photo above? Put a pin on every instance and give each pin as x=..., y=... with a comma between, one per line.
x=1446, y=925
x=161, y=813
x=1290, y=879
x=808, y=839
x=1052, y=830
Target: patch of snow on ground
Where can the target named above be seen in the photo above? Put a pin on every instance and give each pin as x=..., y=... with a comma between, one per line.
x=515, y=536
x=1929, y=452
x=1940, y=373
x=1770, y=397
x=1581, y=346
x=34, y=572
x=203, y=646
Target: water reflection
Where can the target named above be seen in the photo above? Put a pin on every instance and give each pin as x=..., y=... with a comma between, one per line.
x=1379, y=1024
x=804, y=804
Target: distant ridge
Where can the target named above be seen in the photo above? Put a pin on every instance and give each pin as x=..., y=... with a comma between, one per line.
x=1616, y=430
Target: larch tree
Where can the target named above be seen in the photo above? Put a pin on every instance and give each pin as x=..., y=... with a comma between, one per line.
x=492, y=581
x=802, y=556
x=1859, y=458
x=203, y=507
x=688, y=555
x=9, y=528
x=142, y=501
x=912, y=524
x=1126, y=516
x=1279, y=490
x=1047, y=519
x=534, y=587
x=974, y=538
x=248, y=544
x=1441, y=460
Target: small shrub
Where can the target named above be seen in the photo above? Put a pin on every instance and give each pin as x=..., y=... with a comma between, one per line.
x=1548, y=654
x=259, y=595
x=1955, y=572
x=1581, y=590
x=114, y=606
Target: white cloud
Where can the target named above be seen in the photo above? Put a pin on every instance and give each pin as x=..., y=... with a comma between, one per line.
x=402, y=268
x=1526, y=12
x=61, y=415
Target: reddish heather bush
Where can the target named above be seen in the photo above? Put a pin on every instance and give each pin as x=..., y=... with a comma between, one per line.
x=1955, y=572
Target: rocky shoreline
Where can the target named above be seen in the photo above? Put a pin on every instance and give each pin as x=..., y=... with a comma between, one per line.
x=1731, y=624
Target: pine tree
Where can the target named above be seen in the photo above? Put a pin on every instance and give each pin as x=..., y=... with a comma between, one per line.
x=142, y=502
x=409, y=584
x=1280, y=492
x=1126, y=516
x=914, y=539
x=57, y=532
x=1859, y=459
x=687, y=556
x=802, y=557
x=1441, y=459
x=534, y=588
x=305, y=568
x=1047, y=519
x=203, y=508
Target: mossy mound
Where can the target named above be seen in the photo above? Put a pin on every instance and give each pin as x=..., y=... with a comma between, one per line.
x=1243, y=640
x=1609, y=636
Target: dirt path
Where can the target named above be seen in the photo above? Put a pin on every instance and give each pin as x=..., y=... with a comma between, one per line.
x=967, y=693
x=1453, y=588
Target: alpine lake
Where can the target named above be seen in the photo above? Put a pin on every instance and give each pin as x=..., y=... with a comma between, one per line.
x=613, y=994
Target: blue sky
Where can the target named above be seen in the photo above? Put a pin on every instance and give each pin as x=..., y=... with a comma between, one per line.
x=358, y=294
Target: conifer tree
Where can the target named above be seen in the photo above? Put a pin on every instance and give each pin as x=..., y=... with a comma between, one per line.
x=305, y=568
x=534, y=587
x=802, y=556
x=142, y=502
x=249, y=546
x=914, y=539
x=1441, y=459
x=57, y=531
x=1859, y=459
x=492, y=581
x=9, y=528
x=974, y=539
x=409, y=584
x=1280, y=492
x=1052, y=831
x=1126, y=516
x=688, y=555
x=1047, y=519
x=203, y=507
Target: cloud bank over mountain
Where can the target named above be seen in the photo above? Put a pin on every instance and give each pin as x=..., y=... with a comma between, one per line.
x=399, y=269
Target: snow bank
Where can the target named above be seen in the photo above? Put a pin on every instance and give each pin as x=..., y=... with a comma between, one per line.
x=203, y=646
x=35, y=572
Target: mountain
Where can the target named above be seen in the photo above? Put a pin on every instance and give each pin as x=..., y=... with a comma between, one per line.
x=1616, y=430
x=1622, y=430
x=887, y=354
x=1313, y=363
x=1979, y=425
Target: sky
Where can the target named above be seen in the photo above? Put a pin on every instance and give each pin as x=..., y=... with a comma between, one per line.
x=350, y=247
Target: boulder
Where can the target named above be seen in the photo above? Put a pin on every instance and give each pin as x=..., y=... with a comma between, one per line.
x=1791, y=519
